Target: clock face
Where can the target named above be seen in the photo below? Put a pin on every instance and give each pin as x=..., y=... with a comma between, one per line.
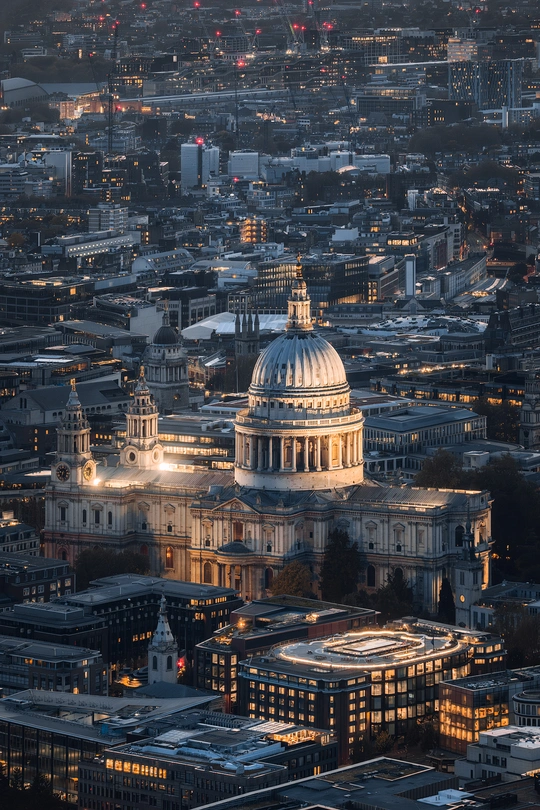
x=88, y=471
x=461, y=598
x=62, y=472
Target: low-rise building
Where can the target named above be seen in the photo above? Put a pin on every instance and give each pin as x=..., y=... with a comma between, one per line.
x=54, y=667
x=26, y=577
x=501, y=753
x=50, y=734
x=118, y=615
x=204, y=758
x=468, y=706
x=17, y=537
x=263, y=623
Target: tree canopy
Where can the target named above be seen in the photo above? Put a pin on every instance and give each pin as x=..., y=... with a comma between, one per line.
x=95, y=563
x=294, y=580
x=441, y=471
x=39, y=796
x=341, y=566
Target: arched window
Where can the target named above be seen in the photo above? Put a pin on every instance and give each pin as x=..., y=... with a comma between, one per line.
x=62, y=554
x=109, y=518
x=268, y=578
x=460, y=531
x=144, y=549
x=269, y=548
x=398, y=547
x=207, y=542
x=371, y=546
x=169, y=528
x=84, y=515
x=207, y=573
x=154, y=662
x=370, y=576
x=169, y=557
x=169, y=662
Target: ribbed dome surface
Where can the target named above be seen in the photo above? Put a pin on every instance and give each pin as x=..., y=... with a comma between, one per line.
x=298, y=360
x=165, y=336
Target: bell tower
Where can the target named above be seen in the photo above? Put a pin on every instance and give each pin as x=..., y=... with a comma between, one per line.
x=162, y=650
x=74, y=464
x=468, y=573
x=142, y=447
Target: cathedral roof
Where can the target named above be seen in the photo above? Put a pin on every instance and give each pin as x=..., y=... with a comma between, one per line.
x=299, y=361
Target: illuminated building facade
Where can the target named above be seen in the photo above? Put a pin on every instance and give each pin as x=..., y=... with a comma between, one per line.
x=491, y=84
x=358, y=683
x=299, y=472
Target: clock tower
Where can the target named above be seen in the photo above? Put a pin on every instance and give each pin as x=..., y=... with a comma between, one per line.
x=468, y=573
x=74, y=464
x=142, y=448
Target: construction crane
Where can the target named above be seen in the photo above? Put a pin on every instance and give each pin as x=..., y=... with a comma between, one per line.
x=292, y=32
x=202, y=23
x=250, y=40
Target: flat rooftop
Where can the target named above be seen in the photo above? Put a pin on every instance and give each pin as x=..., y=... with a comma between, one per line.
x=368, y=650
x=377, y=783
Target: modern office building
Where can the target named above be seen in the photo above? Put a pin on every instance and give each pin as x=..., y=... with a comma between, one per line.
x=205, y=757
x=26, y=577
x=55, y=667
x=198, y=164
x=501, y=754
x=362, y=682
x=526, y=707
x=118, y=616
x=490, y=84
x=405, y=436
x=470, y=705
x=261, y=624
x=50, y=734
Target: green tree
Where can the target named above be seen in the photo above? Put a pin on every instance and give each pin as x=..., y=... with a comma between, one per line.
x=395, y=599
x=293, y=580
x=521, y=634
x=96, y=563
x=428, y=736
x=341, y=566
x=15, y=240
x=440, y=471
x=383, y=743
x=447, y=609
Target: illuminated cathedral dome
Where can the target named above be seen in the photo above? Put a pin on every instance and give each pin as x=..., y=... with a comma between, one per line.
x=299, y=430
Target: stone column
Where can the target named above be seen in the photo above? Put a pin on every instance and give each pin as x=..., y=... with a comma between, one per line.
x=348, y=449
x=340, y=450
x=259, y=454
x=306, y=454
x=270, y=453
x=353, y=448
x=252, y=452
x=318, y=454
x=281, y=454
x=330, y=452
x=293, y=455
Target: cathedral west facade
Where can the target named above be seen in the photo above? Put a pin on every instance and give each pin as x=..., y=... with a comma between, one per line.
x=298, y=474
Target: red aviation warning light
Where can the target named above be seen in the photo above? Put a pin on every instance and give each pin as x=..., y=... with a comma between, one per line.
x=199, y=141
